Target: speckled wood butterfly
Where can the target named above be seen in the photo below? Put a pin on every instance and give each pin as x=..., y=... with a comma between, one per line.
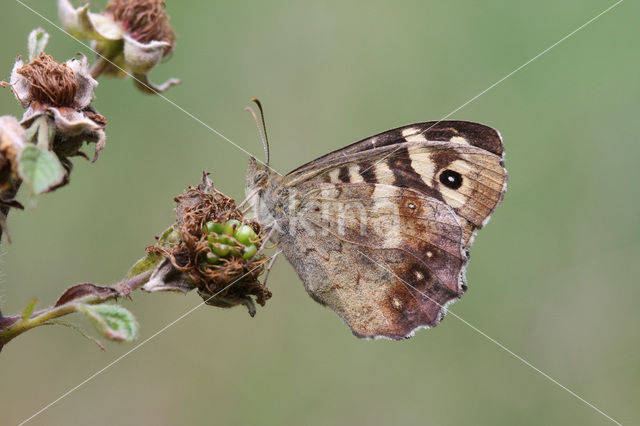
x=379, y=231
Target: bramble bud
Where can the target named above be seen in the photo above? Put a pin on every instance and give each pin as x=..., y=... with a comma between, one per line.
x=230, y=226
x=245, y=235
x=250, y=251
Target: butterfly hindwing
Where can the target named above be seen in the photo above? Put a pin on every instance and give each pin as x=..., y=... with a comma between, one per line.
x=387, y=260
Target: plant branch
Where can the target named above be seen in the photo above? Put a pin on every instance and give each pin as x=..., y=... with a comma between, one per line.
x=71, y=301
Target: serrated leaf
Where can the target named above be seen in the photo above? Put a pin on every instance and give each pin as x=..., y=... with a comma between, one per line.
x=28, y=310
x=113, y=321
x=38, y=40
x=40, y=169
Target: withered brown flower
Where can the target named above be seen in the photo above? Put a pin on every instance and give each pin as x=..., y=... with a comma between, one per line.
x=64, y=93
x=232, y=281
x=144, y=20
x=130, y=36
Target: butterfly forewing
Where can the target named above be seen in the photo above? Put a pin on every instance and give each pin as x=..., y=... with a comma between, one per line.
x=448, y=161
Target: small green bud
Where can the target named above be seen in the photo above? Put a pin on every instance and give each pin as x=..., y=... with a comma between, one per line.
x=218, y=227
x=230, y=226
x=211, y=258
x=226, y=240
x=245, y=235
x=221, y=250
x=208, y=227
x=250, y=251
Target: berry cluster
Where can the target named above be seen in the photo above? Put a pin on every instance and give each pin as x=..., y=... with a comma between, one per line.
x=230, y=238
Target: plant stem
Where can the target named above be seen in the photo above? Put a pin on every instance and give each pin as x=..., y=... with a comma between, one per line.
x=13, y=326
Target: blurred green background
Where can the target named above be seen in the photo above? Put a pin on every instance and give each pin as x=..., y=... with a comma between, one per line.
x=552, y=277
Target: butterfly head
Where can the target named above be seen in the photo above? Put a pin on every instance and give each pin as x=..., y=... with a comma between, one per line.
x=257, y=176
x=263, y=188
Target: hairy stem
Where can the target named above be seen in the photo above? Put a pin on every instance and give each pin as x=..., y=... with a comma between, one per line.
x=13, y=326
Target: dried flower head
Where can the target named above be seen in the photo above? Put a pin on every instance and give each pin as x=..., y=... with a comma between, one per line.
x=49, y=81
x=63, y=92
x=216, y=251
x=130, y=37
x=144, y=20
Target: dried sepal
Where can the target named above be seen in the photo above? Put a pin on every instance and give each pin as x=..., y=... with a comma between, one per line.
x=165, y=277
x=38, y=40
x=81, y=23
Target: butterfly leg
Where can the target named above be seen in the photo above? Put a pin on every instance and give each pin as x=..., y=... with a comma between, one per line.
x=264, y=243
x=271, y=262
x=247, y=199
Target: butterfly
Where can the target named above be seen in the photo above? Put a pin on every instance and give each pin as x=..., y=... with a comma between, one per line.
x=379, y=231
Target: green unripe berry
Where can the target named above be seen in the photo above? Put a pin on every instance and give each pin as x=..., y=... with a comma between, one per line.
x=208, y=227
x=245, y=235
x=221, y=250
x=250, y=251
x=226, y=240
x=218, y=227
x=230, y=226
x=213, y=237
x=211, y=258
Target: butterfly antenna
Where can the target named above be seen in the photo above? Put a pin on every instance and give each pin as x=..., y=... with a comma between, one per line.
x=261, y=130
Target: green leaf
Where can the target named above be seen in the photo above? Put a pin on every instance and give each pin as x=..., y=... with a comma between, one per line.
x=37, y=42
x=169, y=236
x=113, y=321
x=143, y=265
x=40, y=169
x=28, y=310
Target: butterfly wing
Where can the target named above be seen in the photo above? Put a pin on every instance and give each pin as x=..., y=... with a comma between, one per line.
x=379, y=231
x=385, y=259
x=456, y=162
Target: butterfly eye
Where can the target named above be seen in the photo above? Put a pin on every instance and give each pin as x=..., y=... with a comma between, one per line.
x=451, y=179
